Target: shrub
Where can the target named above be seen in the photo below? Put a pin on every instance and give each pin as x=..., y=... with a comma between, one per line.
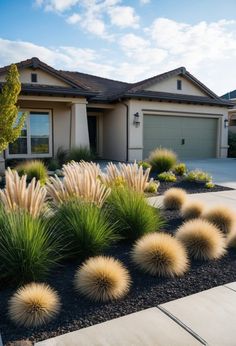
x=202, y=239
x=81, y=153
x=84, y=228
x=152, y=186
x=33, y=305
x=192, y=210
x=131, y=214
x=222, y=217
x=144, y=164
x=167, y=176
x=33, y=169
x=28, y=249
x=162, y=160
x=17, y=195
x=102, y=279
x=61, y=156
x=180, y=169
x=209, y=185
x=174, y=198
x=53, y=165
x=160, y=254
x=198, y=176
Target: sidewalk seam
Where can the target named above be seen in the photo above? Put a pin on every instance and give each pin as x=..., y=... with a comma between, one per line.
x=181, y=324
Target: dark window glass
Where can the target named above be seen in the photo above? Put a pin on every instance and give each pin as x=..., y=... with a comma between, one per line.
x=179, y=84
x=34, y=78
x=39, y=132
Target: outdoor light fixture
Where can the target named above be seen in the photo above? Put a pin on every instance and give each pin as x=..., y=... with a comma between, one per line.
x=136, y=119
x=226, y=122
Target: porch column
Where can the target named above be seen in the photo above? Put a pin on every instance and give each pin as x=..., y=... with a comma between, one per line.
x=79, y=124
x=2, y=163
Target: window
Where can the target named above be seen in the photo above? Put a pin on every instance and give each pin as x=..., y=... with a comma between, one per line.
x=179, y=84
x=35, y=139
x=34, y=78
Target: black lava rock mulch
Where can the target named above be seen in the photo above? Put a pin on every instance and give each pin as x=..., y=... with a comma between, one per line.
x=146, y=291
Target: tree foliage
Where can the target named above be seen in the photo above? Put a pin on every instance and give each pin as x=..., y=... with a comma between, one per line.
x=10, y=122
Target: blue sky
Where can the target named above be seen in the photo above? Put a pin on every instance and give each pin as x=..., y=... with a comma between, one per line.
x=124, y=40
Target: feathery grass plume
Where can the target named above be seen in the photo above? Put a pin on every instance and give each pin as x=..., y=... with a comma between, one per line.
x=174, y=198
x=29, y=247
x=192, y=209
x=162, y=160
x=84, y=228
x=81, y=180
x=33, y=169
x=18, y=196
x=131, y=214
x=202, y=239
x=102, y=278
x=33, y=305
x=160, y=254
x=223, y=217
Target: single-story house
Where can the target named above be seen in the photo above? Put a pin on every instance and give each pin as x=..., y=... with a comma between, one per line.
x=121, y=121
x=231, y=97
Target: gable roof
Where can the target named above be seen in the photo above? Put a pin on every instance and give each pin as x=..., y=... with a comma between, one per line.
x=230, y=95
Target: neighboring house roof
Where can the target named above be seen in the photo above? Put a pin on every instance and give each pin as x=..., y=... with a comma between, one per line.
x=100, y=89
x=230, y=95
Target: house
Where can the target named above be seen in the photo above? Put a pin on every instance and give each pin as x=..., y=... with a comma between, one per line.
x=231, y=96
x=121, y=121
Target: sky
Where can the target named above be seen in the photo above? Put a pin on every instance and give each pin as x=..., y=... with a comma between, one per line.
x=124, y=40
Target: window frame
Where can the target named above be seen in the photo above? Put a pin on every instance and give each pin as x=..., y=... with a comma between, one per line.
x=29, y=154
x=34, y=75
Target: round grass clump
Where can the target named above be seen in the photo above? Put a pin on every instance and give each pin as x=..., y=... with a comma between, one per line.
x=33, y=305
x=231, y=239
x=221, y=216
x=202, y=239
x=160, y=254
x=192, y=210
x=162, y=160
x=174, y=198
x=102, y=278
x=33, y=169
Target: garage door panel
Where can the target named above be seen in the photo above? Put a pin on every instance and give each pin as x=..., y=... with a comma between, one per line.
x=199, y=135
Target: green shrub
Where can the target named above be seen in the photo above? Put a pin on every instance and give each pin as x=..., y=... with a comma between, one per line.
x=209, y=185
x=28, y=248
x=81, y=153
x=167, y=176
x=162, y=160
x=34, y=168
x=84, y=228
x=131, y=214
x=144, y=164
x=180, y=169
x=53, y=165
x=61, y=156
x=198, y=176
x=152, y=187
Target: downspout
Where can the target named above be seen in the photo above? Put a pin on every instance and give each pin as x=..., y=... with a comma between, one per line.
x=127, y=129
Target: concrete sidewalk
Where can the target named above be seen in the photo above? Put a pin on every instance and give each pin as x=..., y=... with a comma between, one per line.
x=205, y=318
x=226, y=198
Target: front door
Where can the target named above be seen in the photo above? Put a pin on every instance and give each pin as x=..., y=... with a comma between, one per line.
x=92, y=128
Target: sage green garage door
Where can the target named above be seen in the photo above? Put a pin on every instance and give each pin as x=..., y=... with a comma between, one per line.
x=189, y=137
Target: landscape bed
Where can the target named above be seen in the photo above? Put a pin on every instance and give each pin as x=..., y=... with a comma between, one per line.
x=146, y=291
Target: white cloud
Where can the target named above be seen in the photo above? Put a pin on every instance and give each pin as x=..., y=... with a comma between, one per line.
x=74, y=18
x=57, y=5
x=123, y=16
x=144, y=2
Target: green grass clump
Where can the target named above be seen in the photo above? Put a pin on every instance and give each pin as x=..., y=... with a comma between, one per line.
x=84, y=228
x=198, y=176
x=162, y=160
x=131, y=214
x=33, y=169
x=53, y=165
x=209, y=185
x=167, y=176
x=152, y=187
x=81, y=153
x=28, y=248
x=144, y=164
x=180, y=169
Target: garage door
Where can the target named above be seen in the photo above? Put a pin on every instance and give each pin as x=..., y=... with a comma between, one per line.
x=189, y=137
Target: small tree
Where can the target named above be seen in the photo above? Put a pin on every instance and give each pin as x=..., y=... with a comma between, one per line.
x=10, y=122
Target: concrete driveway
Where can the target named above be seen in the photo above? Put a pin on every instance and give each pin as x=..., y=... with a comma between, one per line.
x=223, y=171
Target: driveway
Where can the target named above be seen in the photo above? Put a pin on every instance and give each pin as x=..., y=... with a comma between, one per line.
x=223, y=171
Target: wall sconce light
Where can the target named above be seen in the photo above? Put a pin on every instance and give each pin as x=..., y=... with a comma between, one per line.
x=226, y=122
x=136, y=119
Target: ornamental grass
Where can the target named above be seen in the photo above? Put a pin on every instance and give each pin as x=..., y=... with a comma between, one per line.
x=174, y=198
x=162, y=160
x=222, y=217
x=192, y=210
x=33, y=169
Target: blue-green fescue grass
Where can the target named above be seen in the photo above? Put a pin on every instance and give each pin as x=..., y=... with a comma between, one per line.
x=85, y=229
x=29, y=247
x=131, y=214
x=33, y=169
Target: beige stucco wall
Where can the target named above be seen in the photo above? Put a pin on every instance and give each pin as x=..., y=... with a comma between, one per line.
x=114, y=133
x=154, y=107
x=170, y=86
x=43, y=77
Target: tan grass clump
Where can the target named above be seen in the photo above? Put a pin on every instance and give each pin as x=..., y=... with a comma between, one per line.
x=160, y=254
x=202, y=239
x=174, y=198
x=221, y=216
x=17, y=195
x=33, y=305
x=102, y=278
x=192, y=210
